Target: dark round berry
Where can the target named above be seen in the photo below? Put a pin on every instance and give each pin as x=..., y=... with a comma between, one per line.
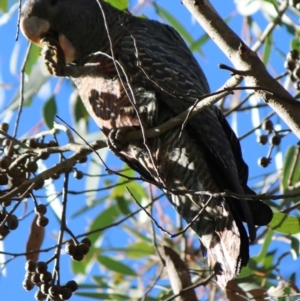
x=12, y=222
x=268, y=125
x=262, y=139
x=39, y=296
x=70, y=248
x=35, y=278
x=30, y=265
x=4, y=127
x=82, y=159
x=31, y=166
x=77, y=257
x=264, y=162
x=5, y=162
x=65, y=293
x=32, y=143
x=54, y=291
x=42, y=221
x=55, y=176
x=276, y=139
x=78, y=174
x=44, y=288
x=27, y=284
x=3, y=179
x=87, y=241
x=82, y=248
x=44, y=156
x=40, y=209
x=46, y=277
x=72, y=285
x=41, y=267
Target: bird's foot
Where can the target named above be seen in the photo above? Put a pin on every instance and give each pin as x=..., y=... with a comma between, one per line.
x=53, y=56
x=116, y=139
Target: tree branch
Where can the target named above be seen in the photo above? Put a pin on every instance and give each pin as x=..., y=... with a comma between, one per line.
x=243, y=58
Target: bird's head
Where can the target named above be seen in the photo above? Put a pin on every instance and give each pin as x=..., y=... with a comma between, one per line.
x=76, y=24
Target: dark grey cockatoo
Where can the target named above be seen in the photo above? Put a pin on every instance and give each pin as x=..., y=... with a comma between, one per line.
x=150, y=60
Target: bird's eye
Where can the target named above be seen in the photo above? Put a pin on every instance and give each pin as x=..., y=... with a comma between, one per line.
x=53, y=2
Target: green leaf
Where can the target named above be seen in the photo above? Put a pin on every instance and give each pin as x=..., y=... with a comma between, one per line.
x=103, y=296
x=104, y=219
x=265, y=246
x=119, y=4
x=285, y=223
x=136, y=250
x=123, y=205
x=34, y=54
x=137, y=234
x=116, y=266
x=3, y=5
x=177, y=25
x=49, y=111
x=80, y=111
x=291, y=175
x=90, y=206
x=295, y=44
x=140, y=249
x=267, y=49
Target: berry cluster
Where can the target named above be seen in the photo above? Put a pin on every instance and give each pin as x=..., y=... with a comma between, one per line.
x=78, y=250
x=292, y=64
x=38, y=274
x=272, y=136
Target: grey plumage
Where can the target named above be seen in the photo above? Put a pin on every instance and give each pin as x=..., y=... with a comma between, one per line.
x=166, y=80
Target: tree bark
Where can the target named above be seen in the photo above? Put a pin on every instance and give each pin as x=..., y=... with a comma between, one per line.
x=246, y=62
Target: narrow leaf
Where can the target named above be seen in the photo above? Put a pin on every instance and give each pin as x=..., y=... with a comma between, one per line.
x=49, y=111
x=284, y=223
x=116, y=266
